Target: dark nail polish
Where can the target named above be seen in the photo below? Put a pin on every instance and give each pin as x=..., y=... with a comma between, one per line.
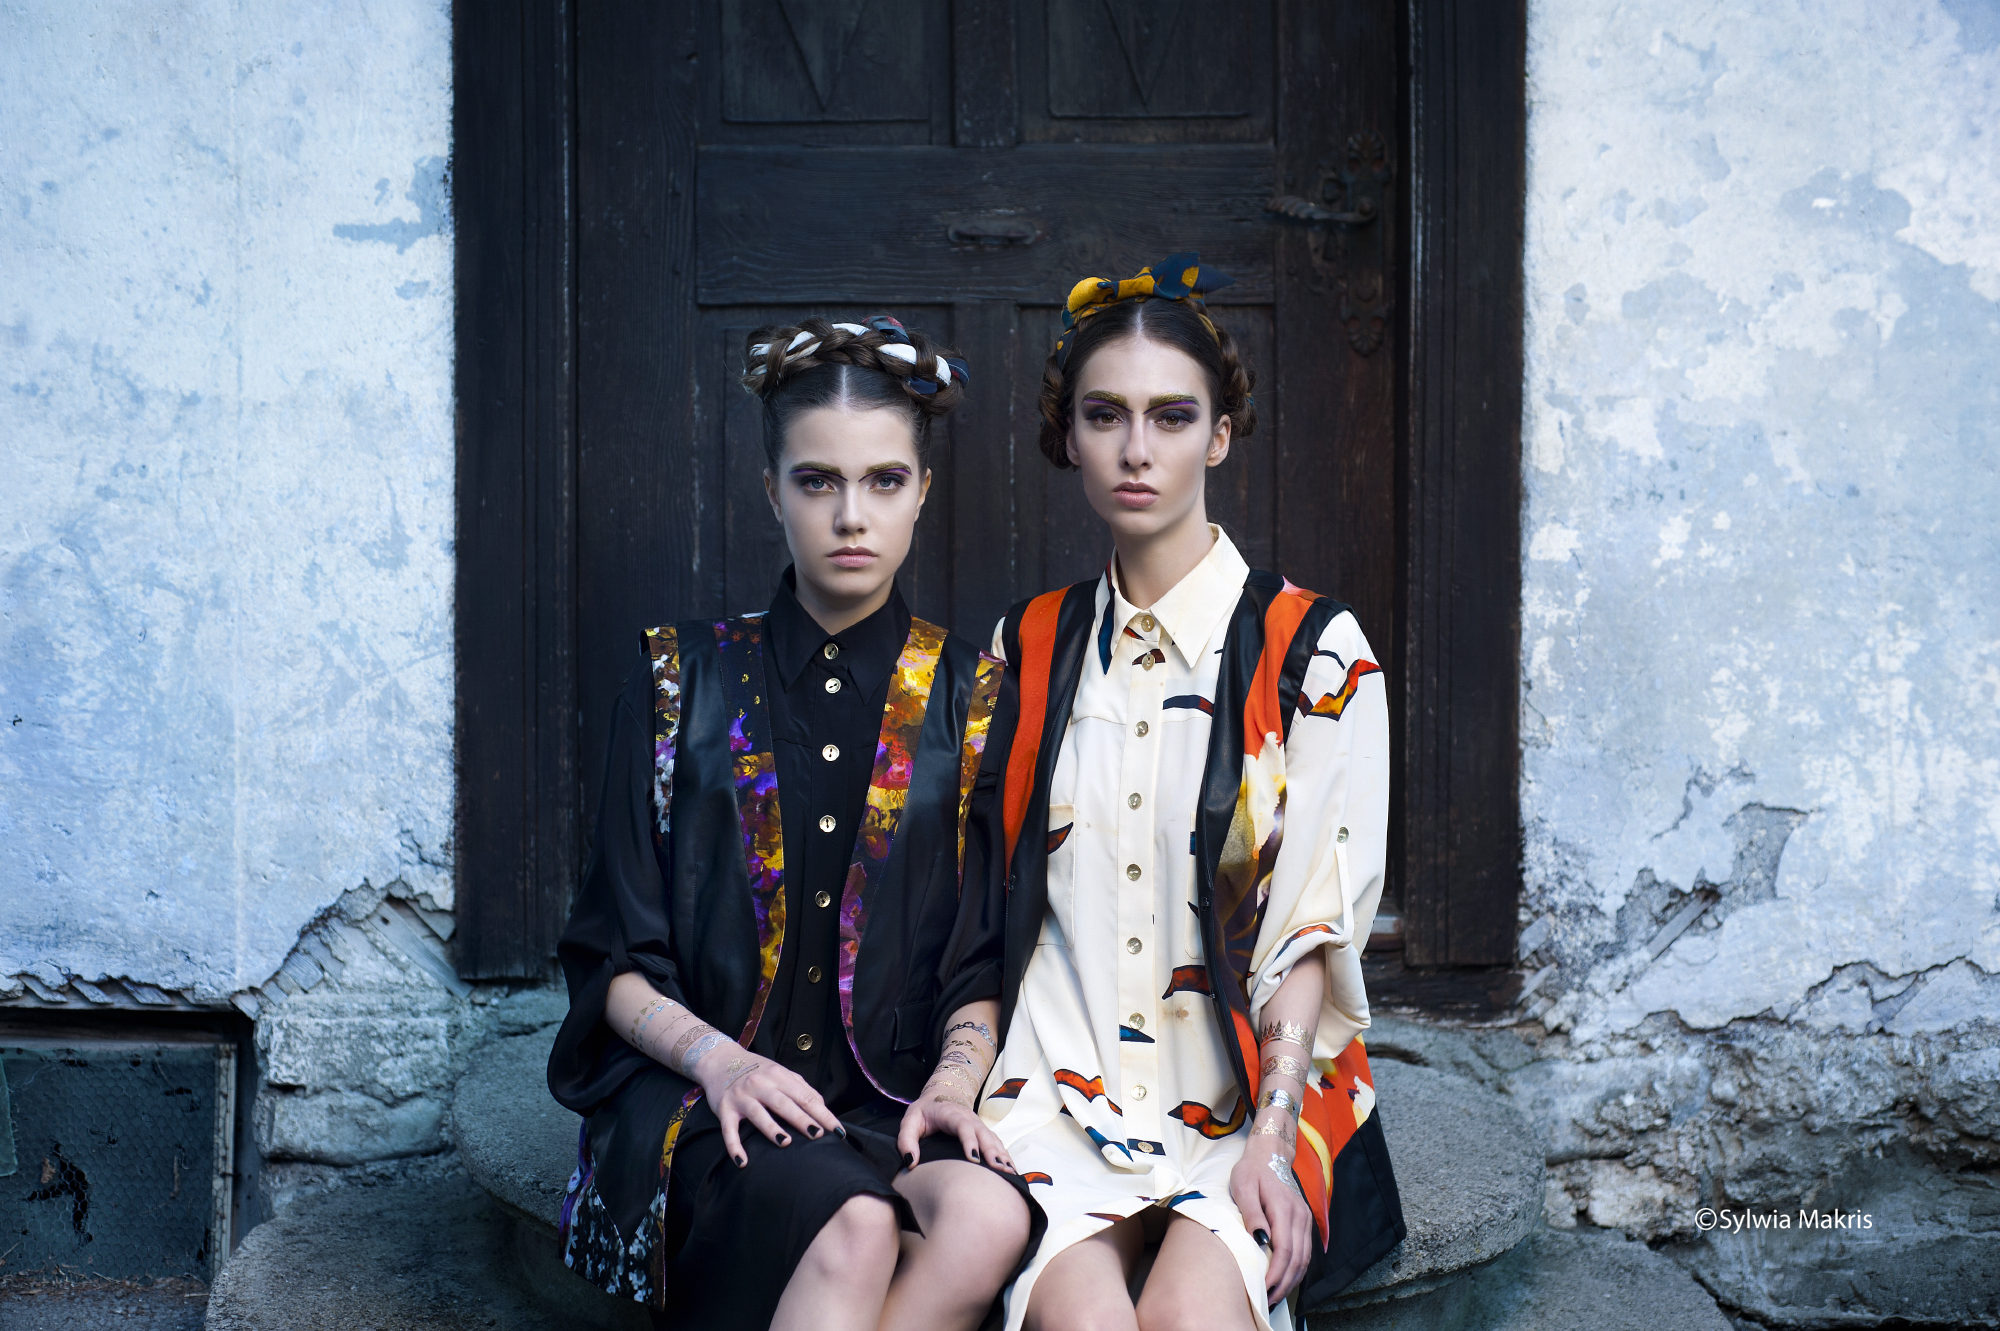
x=784, y=1140
x=814, y=1131
x=841, y=1131
x=909, y=1161
x=975, y=1157
x=1263, y=1239
x=742, y=1161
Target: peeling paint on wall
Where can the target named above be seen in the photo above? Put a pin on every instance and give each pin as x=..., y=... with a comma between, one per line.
x=226, y=520
x=1761, y=658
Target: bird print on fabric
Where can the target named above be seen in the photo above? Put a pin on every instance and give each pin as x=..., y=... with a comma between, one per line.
x=1333, y=704
x=1092, y=1089
x=1058, y=835
x=1203, y=1120
x=1188, y=980
x=1009, y=1089
x=1037, y=1176
x=1192, y=702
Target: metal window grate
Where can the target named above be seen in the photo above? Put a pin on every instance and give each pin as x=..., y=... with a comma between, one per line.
x=122, y=1156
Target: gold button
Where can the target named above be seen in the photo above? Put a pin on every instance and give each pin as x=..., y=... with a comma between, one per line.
x=1142, y=727
x=1144, y=1148
x=1136, y=1022
x=813, y=974
x=822, y=900
x=804, y=1042
x=1132, y=872
x=830, y=752
x=1146, y=623
x=833, y=686
x=1133, y=800
x=1139, y=1093
x=830, y=651
x=1342, y=835
x=826, y=822
x=1133, y=945
x=1145, y=663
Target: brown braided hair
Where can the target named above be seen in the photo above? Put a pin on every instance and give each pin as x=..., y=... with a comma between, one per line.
x=1172, y=323
x=838, y=367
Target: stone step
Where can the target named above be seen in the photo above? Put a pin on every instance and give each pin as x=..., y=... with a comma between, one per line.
x=1470, y=1173
x=1466, y=1162
x=1555, y=1281
x=434, y=1254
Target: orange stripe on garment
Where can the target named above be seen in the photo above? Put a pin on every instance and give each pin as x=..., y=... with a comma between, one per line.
x=1038, y=646
x=1263, y=710
x=1246, y=1040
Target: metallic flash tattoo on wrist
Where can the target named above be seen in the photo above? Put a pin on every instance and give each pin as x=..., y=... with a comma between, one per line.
x=1283, y=1170
x=1277, y=1097
x=645, y=1019
x=979, y=1028
x=686, y=1062
x=1281, y=1127
x=1291, y=1032
x=1281, y=1065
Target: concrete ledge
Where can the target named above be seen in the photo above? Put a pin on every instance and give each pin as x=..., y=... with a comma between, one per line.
x=1467, y=1163
x=1555, y=1281
x=434, y=1255
x=1470, y=1172
x=516, y=1142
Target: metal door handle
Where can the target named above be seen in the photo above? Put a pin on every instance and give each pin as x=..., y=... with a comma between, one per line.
x=1356, y=260
x=991, y=231
x=1301, y=210
x=1292, y=206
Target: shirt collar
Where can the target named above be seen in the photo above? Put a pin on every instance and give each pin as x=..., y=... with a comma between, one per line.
x=868, y=649
x=1197, y=605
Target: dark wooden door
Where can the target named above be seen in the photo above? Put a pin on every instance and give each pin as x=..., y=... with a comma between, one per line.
x=635, y=185
x=756, y=161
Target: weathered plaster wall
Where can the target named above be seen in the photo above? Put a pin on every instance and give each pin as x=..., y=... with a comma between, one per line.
x=226, y=515
x=1761, y=775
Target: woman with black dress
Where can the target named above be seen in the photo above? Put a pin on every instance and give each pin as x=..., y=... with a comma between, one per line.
x=753, y=957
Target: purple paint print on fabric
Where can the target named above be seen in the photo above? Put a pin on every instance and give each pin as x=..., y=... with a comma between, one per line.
x=888, y=787
x=740, y=645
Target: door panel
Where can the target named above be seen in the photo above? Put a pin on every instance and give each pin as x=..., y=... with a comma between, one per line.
x=1141, y=71
x=826, y=71
x=915, y=224
x=962, y=166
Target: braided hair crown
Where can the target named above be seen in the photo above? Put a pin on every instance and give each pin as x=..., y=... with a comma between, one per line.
x=815, y=363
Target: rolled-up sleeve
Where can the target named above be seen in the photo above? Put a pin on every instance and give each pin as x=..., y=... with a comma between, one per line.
x=1327, y=881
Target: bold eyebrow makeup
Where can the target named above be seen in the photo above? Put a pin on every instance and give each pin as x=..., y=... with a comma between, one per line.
x=1173, y=399
x=828, y=469
x=1100, y=395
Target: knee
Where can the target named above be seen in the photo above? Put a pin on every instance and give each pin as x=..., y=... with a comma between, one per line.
x=860, y=1241
x=984, y=1208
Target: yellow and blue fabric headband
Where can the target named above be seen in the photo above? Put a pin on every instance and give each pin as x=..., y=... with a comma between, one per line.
x=1180, y=277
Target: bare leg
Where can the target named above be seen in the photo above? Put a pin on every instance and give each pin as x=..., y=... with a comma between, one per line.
x=1195, y=1284
x=841, y=1281
x=974, y=1226
x=1084, y=1288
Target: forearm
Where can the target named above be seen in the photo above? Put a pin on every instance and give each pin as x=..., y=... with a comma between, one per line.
x=1288, y=1024
x=658, y=1027
x=970, y=1046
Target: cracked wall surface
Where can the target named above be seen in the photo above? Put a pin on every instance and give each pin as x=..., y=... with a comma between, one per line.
x=1761, y=764
x=226, y=520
